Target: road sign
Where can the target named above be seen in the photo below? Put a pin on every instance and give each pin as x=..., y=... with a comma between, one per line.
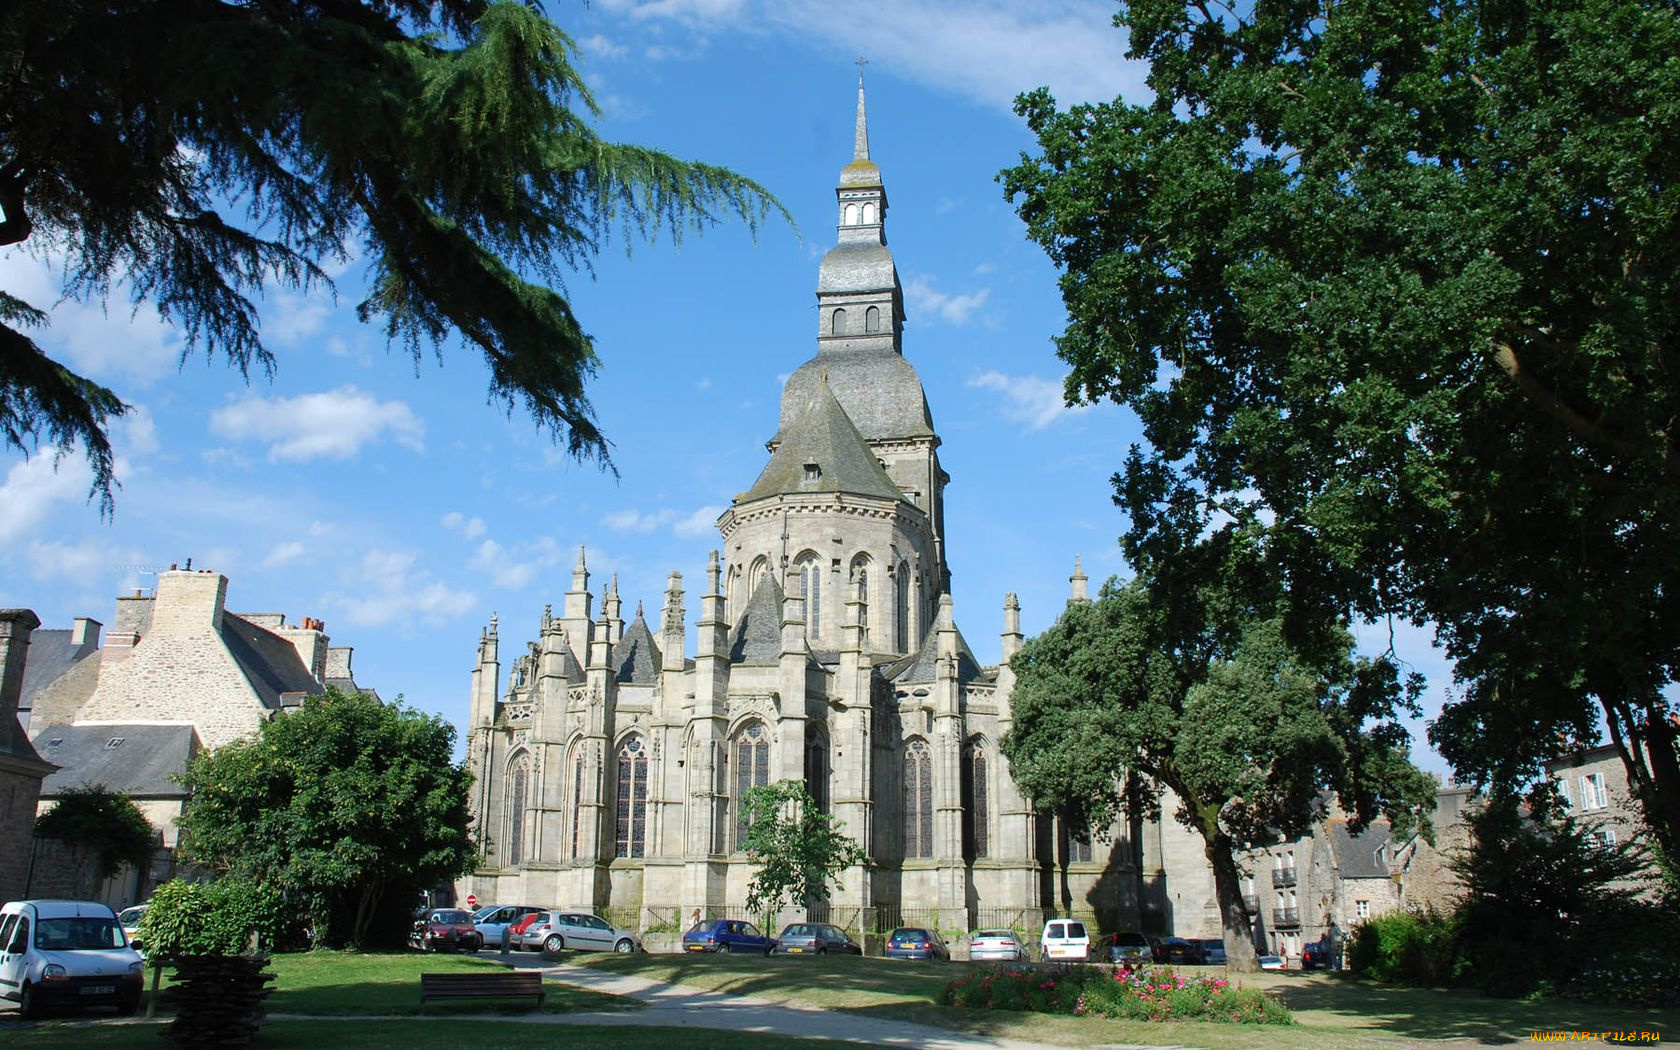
x=472, y=900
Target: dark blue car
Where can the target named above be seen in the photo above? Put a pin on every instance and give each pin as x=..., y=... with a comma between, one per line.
x=916, y=942
x=726, y=935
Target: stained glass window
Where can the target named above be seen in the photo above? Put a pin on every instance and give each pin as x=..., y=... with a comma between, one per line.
x=752, y=769
x=515, y=808
x=918, y=800
x=577, y=797
x=816, y=770
x=631, y=836
x=810, y=588
x=901, y=609
x=979, y=808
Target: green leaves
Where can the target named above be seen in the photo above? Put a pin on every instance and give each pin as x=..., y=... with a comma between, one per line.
x=92, y=817
x=1401, y=282
x=797, y=848
x=344, y=802
x=203, y=150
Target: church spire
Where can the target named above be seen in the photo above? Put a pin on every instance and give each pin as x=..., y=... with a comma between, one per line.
x=860, y=138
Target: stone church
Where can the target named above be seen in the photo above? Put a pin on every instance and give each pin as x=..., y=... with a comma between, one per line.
x=610, y=766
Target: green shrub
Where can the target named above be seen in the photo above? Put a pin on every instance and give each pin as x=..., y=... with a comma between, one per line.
x=218, y=918
x=1407, y=947
x=1144, y=994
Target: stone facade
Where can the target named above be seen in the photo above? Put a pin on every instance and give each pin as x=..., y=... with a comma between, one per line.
x=609, y=765
x=21, y=768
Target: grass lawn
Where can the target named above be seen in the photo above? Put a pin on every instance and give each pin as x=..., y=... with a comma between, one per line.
x=342, y=984
x=418, y=1034
x=1333, y=1012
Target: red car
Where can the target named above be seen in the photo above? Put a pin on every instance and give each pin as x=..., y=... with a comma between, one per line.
x=443, y=928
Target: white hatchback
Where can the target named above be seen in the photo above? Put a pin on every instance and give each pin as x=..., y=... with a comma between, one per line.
x=1065, y=939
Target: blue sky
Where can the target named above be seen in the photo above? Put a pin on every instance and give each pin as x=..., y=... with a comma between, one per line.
x=394, y=502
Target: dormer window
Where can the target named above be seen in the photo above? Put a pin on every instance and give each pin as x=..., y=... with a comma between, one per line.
x=813, y=472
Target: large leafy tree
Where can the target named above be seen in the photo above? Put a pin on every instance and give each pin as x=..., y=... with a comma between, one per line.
x=198, y=150
x=1250, y=732
x=349, y=804
x=796, y=848
x=1404, y=277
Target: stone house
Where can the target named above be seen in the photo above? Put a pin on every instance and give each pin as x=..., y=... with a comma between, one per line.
x=21, y=768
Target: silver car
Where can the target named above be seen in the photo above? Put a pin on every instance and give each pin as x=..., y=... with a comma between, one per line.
x=1001, y=945
x=556, y=931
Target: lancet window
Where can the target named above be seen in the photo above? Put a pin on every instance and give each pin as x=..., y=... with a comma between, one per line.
x=918, y=800
x=517, y=780
x=752, y=769
x=631, y=836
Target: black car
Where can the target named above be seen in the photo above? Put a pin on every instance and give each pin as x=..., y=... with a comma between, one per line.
x=1180, y=952
x=1315, y=956
x=814, y=938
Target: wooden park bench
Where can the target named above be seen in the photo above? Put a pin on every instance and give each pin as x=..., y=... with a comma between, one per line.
x=491, y=984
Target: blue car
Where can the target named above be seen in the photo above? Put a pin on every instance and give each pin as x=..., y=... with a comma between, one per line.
x=726, y=935
x=916, y=942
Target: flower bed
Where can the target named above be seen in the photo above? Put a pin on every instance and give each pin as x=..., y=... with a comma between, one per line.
x=1141, y=994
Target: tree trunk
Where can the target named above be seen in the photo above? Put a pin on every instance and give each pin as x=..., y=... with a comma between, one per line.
x=1240, y=956
x=1661, y=805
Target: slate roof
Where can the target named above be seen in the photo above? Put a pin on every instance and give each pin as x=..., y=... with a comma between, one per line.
x=142, y=764
x=637, y=658
x=51, y=654
x=923, y=664
x=270, y=663
x=822, y=433
x=1361, y=856
x=879, y=390
x=757, y=635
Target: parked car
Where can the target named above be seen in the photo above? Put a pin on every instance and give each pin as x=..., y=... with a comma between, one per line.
x=815, y=938
x=1130, y=948
x=1315, y=956
x=992, y=945
x=916, y=942
x=129, y=919
x=442, y=928
x=491, y=921
x=556, y=931
x=1180, y=952
x=57, y=953
x=1213, y=951
x=726, y=935
x=516, y=932
x=1271, y=962
x=1066, y=940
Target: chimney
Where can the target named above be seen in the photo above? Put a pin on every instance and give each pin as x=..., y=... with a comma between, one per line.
x=189, y=602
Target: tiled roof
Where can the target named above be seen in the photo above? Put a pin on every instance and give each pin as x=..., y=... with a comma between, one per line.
x=270, y=663
x=923, y=664
x=822, y=451
x=879, y=390
x=637, y=657
x=757, y=635
x=1361, y=856
x=51, y=653
x=141, y=762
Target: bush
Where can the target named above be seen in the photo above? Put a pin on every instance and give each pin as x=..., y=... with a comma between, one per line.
x=218, y=918
x=1143, y=994
x=1407, y=947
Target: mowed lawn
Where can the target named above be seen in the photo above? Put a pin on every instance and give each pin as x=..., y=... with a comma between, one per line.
x=426, y=1033
x=1332, y=1011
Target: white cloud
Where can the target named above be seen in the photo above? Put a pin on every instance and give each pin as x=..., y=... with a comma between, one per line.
x=699, y=523
x=104, y=342
x=636, y=521
x=922, y=297
x=87, y=562
x=493, y=559
x=34, y=486
x=283, y=554
x=986, y=50
x=1033, y=400
x=469, y=528
x=334, y=424
x=291, y=318
x=393, y=589
x=598, y=46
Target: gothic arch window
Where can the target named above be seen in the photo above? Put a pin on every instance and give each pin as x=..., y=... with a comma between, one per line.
x=918, y=800
x=755, y=576
x=575, y=801
x=901, y=608
x=851, y=216
x=872, y=319
x=809, y=568
x=631, y=822
x=518, y=778
x=837, y=322
x=977, y=815
x=816, y=767
x=752, y=769
x=868, y=213
x=732, y=590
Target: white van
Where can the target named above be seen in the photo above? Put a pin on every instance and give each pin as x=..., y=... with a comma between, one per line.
x=1065, y=939
x=66, y=953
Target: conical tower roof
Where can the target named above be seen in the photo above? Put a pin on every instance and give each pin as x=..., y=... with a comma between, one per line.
x=821, y=450
x=757, y=635
x=637, y=657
